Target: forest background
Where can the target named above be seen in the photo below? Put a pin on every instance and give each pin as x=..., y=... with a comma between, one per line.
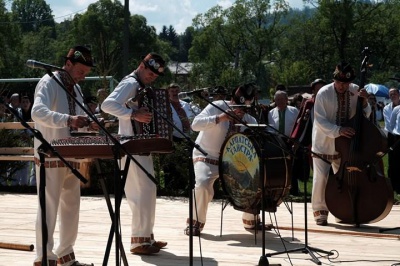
x=260, y=41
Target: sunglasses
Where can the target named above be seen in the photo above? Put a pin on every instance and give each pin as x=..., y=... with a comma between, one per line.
x=155, y=65
x=78, y=54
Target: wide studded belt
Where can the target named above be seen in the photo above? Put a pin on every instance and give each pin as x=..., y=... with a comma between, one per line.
x=57, y=164
x=206, y=160
x=327, y=157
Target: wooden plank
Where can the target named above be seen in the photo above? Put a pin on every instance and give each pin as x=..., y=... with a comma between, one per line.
x=15, y=125
x=16, y=150
x=18, y=125
x=16, y=157
x=235, y=246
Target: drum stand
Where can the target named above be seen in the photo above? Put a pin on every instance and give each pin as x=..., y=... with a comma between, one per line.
x=306, y=249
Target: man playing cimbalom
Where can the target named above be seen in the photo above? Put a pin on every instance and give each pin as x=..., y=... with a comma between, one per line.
x=55, y=114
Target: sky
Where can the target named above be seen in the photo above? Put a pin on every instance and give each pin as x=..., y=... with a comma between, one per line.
x=178, y=13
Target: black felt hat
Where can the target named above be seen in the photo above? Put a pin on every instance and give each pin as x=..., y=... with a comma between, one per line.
x=218, y=90
x=317, y=81
x=344, y=72
x=155, y=63
x=245, y=93
x=81, y=54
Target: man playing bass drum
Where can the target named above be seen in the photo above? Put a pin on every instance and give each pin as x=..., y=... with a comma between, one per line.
x=214, y=126
x=335, y=104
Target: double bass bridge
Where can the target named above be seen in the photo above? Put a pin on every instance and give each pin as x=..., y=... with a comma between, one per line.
x=351, y=169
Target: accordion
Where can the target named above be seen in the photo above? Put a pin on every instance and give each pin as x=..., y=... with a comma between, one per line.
x=158, y=103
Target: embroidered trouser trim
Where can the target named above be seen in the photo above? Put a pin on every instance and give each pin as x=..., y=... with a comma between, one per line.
x=196, y=224
x=320, y=213
x=67, y=258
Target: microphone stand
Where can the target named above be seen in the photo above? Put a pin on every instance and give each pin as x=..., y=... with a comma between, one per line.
x=304, y=151
x=263, y=259
x=117, y=148
x=43, y=150
x=192, y=145
x=306, y=249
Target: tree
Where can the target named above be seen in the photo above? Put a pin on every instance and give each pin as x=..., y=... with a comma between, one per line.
x=185, y=43
x=143, y=39
x=323, y=36
x=304, y=52
x=101, y=28
x=32, y=14
x=39, y=46
x=169, y=35
x=10, y=45
x=164, y=33
x=241, y=37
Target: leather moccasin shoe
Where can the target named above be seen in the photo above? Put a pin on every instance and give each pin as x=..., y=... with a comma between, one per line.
x=77, y=263
x=195, y=231
x=50, y=263
x=259, y=227
x=160, y=244
x=145, y=250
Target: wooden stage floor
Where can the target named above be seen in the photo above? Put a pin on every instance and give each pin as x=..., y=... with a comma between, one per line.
x=350, y=245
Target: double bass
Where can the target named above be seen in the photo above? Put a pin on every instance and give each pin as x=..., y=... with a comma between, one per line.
x=359, y=193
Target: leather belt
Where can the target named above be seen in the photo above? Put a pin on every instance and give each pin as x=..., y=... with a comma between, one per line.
x=56, y=164
x=67, y=258
x=327, y=157
x=206, y=160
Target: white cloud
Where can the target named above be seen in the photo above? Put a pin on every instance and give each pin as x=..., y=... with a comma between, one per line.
x=224, y=3
x=81, y=3
x=178, y=13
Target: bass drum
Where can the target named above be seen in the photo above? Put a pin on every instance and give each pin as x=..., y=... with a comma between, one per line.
x=243, y=160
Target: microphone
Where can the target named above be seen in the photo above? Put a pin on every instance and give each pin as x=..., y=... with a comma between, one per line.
x=36, y=64
x=185, y=94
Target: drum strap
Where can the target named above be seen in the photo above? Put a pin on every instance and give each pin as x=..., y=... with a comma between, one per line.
x=232, y=129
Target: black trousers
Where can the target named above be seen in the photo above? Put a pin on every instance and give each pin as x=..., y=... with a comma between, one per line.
x=394, y=162
x=300, y=170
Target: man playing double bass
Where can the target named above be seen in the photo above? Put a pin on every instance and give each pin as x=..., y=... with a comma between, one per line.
x=335, y=104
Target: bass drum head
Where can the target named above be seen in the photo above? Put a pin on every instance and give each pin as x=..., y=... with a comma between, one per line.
x=240, y=171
